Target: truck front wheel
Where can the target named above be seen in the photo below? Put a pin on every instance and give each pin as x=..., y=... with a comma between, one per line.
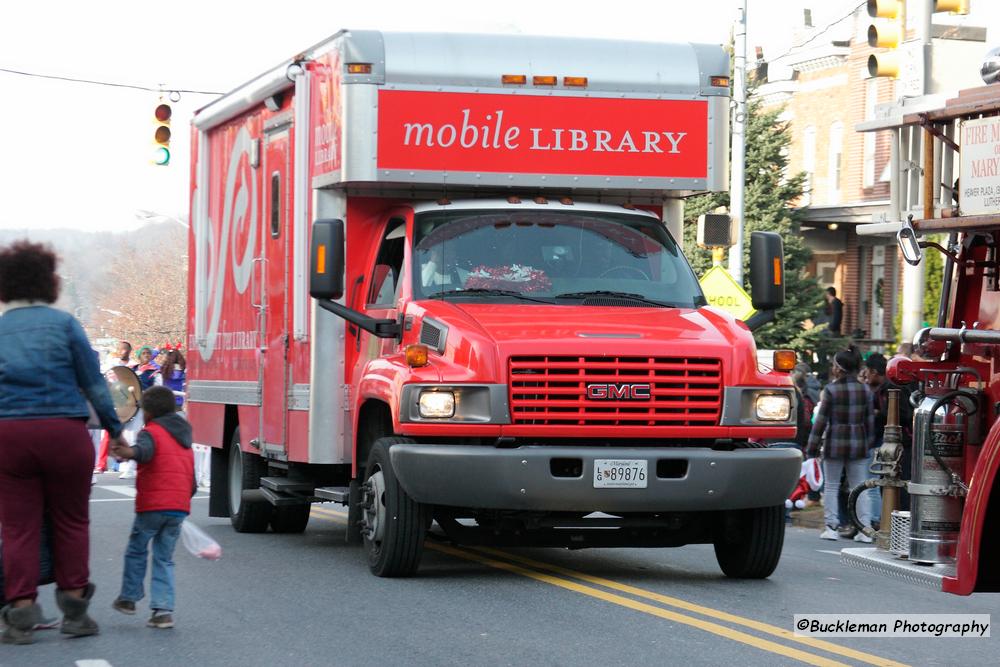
x=245, y=471
x=748, y=542
x=393, y=525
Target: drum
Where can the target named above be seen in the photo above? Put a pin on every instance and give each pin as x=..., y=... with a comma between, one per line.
x=125, y=390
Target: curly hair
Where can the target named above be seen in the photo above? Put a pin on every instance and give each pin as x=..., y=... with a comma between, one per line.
x=28, y=271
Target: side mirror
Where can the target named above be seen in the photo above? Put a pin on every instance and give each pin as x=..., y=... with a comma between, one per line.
x=767, y=270
x=906, y=237
x=326, y=260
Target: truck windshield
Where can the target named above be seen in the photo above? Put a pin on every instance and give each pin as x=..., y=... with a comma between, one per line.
x=563, y=258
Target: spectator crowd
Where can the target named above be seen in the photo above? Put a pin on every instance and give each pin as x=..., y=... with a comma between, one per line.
x=840, y=426
x=164, y=366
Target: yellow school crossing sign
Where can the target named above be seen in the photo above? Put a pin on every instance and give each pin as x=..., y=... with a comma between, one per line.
x=725, y=293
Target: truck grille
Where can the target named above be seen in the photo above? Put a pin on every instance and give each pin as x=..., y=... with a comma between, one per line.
x=553, y=390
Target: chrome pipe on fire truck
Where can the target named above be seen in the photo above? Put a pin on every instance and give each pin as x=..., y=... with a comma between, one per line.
x=886, y=464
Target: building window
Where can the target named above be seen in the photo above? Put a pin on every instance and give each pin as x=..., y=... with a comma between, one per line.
x=808, y=162
x=826, y=273
x=836, y=160
x=871, y=97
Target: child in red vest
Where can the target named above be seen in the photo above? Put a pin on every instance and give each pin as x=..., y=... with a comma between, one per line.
x=164, y=486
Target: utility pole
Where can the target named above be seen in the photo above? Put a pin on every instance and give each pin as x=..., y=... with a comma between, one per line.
x=915, y=277
x=738, y=159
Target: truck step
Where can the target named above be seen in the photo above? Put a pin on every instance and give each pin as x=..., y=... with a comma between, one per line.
x=338, y=494
x=279, y=500
x=285, y=485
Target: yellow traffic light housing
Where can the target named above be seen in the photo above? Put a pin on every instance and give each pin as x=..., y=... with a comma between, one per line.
x=886, y=9
x=953, y=6
x=161, y=135
x=884, y=64
x=886, y=35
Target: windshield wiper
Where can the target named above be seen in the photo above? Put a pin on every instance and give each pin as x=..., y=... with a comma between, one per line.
x=616, y=295
x=485, y=291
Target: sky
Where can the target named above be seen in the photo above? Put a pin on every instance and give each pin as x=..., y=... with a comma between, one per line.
x=77, y=155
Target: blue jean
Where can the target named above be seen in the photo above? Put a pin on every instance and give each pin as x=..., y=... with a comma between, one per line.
x=163, y=529
x=857, y=472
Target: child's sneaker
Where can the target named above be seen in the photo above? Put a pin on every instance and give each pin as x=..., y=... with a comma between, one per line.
x=161, y=619
x=124, y=606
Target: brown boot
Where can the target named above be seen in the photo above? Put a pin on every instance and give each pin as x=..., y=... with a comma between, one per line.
x=76, y=622
x=20, y=622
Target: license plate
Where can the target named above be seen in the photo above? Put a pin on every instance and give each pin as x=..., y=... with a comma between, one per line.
x=620, y=474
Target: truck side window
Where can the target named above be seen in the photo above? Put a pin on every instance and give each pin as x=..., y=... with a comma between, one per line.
x=385, y=283
x=275, y=205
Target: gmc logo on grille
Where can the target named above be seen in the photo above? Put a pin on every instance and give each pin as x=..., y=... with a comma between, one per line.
x=618, y=392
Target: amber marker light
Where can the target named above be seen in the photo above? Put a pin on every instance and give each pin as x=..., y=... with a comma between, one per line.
x=575, y=81
x=416, y=355
x=784, y=360
x=514, y=79
x=544, y=80
x=777, y=270
x=321, y=259
x=720, y=81
x=359, y=68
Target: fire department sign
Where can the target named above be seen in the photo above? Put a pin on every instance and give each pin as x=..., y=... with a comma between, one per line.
x=980, y=181
x=725, y=293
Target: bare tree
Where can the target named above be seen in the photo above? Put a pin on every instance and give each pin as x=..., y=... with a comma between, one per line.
x=146, y=297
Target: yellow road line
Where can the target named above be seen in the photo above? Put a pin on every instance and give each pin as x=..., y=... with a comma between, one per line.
x=707, y=626
x=760, y=626
x=705, y=611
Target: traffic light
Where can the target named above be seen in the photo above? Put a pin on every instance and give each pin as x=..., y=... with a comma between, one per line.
x=886, y=35
x=953, y=6
x=161, y=135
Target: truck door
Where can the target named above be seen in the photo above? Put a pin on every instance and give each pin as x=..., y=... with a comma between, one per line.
x=274, y=323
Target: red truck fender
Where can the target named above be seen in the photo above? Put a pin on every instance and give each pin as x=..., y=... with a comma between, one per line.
x=984, y=483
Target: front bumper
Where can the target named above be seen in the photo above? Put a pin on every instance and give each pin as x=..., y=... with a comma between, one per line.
x=522, y=479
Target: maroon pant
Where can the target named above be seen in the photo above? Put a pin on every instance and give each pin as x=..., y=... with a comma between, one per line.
x=45, y=465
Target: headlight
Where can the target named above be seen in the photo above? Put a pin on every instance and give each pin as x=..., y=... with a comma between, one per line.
x=773, y=407
x=437, y=404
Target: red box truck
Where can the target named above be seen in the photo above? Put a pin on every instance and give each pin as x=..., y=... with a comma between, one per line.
x=434, y=279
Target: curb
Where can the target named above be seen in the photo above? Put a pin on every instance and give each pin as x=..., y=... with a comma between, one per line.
x=808, y=518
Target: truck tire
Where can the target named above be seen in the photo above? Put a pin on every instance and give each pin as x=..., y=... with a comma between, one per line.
x=245, y=471
x=290, y=518
x=393, y=524
x=748, y=543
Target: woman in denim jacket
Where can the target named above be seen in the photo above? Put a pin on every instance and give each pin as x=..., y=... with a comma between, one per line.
x=48, y=372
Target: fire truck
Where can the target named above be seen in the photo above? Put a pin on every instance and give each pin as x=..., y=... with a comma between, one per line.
x=437, y=278
x=949, y=536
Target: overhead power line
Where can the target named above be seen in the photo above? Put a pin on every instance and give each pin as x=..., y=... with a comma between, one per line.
x=820, y=32
x=111, y=84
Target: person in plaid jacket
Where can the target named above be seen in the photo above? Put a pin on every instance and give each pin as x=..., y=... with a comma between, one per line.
x=846, y=418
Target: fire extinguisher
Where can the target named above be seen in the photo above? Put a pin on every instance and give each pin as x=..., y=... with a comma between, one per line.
x=943, y=427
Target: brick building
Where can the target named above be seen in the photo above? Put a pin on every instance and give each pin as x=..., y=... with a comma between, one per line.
x=825, y=90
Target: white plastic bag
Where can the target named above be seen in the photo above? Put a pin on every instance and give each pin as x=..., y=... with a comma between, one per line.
x=198, y=542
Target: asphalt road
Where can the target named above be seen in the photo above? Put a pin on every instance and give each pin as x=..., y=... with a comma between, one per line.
x=309, y=600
